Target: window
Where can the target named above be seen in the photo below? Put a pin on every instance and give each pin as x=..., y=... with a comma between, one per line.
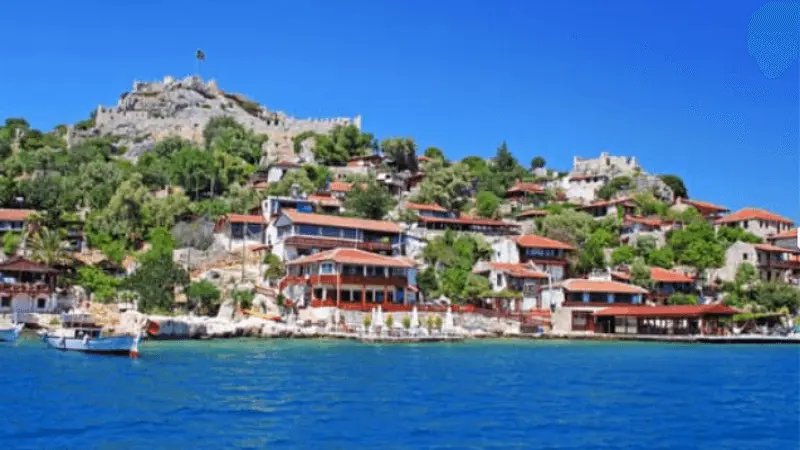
x=41, y=303
x=5, y=302
x=744, y=256
x=350, y=234
x=326, y=268
x=745, y=224
x=499, y=281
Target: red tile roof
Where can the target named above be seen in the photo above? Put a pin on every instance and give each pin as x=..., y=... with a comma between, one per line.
x=24, y=265
x=659, y=275
x=582, y=285
x=517, y=270
x=534, y=241
x=15, y=214
x=423, y=158
x=791, y=234
x=353, y=256
x=533, y=213
x=425, y=207
x=467, y=221
x=704, y=205
x=245, y=218
x=667, y=311
x=341, y=222
x=753, y=214
x=773, y=248
x=531, y=188
x=649, y=221
x=325, y=200
x=340, y=186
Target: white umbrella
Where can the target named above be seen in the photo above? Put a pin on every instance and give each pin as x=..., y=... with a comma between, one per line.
x=414, y=317
x=380, y=315
x=336, y=318
x=374, y=323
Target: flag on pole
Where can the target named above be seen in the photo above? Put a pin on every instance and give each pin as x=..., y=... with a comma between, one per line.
x=200, y=55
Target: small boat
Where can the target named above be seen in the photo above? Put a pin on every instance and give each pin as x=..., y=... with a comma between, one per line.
x=79, y=332
x=11, y=333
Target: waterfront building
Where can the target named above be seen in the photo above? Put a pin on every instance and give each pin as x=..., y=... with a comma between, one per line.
x=351, y=279
x=669, y=320
x=27, y=287
x=756, y=221
x=294, y=234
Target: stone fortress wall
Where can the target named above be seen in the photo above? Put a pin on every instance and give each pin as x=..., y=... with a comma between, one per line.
x=153, y=110
x=605, y=165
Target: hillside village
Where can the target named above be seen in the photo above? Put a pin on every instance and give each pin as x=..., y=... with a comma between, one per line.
x=186, y=198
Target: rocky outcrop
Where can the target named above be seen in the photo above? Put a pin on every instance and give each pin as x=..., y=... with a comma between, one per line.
x=154, y=110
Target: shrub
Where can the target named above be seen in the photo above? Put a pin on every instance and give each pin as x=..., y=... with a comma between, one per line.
x=406, y=322
x=367, y=320
x=389, y=321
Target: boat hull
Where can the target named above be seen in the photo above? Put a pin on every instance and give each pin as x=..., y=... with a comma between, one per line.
x=10, y=334
x=114, y=345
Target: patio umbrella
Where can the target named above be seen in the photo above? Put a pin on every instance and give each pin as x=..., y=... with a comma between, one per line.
x=380, y=315
x=448, y=319
x=414, y=317
x=336, y=318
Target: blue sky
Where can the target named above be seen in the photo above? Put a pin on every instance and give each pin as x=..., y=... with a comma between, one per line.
x=672, y=83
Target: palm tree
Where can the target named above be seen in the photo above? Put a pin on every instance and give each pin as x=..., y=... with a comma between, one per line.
x=47, y=247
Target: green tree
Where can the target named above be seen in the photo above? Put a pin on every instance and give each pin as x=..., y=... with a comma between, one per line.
x=741, y=291
x=48, y=247
x=284, y=186
x=155, y=171
x=662, y=257
x=645, y=245
x=729, y=235
x=243, y=298
x=427, y=282
x=319, y=175
x=538, y=162
x=102, y=286
x=680, y=298
x=343, y=143
x=568, y=226
x=592, y=252
x=373, y=202
x=403, y=153
x=120, y=219
x=647, y=204
x=155, y=280
x=487, y=204
x=622, y=255
x=776, y=296
x=170, y=146
x=676, y=184
x=434, y=153
x=640, y=274
x=703, y=255
x=203, y=296
x=475, y=286
x=11, y=242
x=614, y=186
x=164, y=211
x=194, y=170
x=275, y=268
x=226, y=136
x=448, y=187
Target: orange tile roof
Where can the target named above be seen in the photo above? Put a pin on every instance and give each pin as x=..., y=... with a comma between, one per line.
x=340, y=186
x=785, y=235
x=325, y=200
x=532, y=188
x=15, y=214
x=535, y=241
x=425, y=207
x=649, y=221
x=245, y=218
x=467, y=221
x=517, y=270
x=423, y=158
x=704, y=205
x=667, y=311
x=582, y=285
x=353, y=256
x=773, y=248
x=753, y=214
x=341, y=222
x=659, y=275
x=533, y=213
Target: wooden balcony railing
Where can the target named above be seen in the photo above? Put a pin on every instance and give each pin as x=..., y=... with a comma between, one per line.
x=322, y=242
x=24, y=288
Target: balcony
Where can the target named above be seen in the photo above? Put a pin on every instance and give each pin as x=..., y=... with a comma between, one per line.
x=780, y=264
x=325, y=243
x=25, y=288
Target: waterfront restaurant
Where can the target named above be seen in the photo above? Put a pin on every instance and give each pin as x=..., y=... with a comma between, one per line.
x=349, y=278
x=575, y=301
x=665, y=282
x=660, y=320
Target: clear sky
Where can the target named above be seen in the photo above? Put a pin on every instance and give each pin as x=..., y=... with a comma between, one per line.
x=671, y=82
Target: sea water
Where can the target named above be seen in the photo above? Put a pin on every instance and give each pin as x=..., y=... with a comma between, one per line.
x=342, y=395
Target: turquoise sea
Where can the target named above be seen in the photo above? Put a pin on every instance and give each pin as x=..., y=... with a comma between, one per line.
x=340, y=395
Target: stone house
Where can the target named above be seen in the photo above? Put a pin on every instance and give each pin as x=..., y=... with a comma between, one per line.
x=772, y=263
x=756, y=221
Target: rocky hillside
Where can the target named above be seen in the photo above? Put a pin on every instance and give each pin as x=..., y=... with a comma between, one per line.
x=154, y=110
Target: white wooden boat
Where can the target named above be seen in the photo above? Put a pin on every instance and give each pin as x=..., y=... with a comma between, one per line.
x=11, y=333
x=78, y=332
